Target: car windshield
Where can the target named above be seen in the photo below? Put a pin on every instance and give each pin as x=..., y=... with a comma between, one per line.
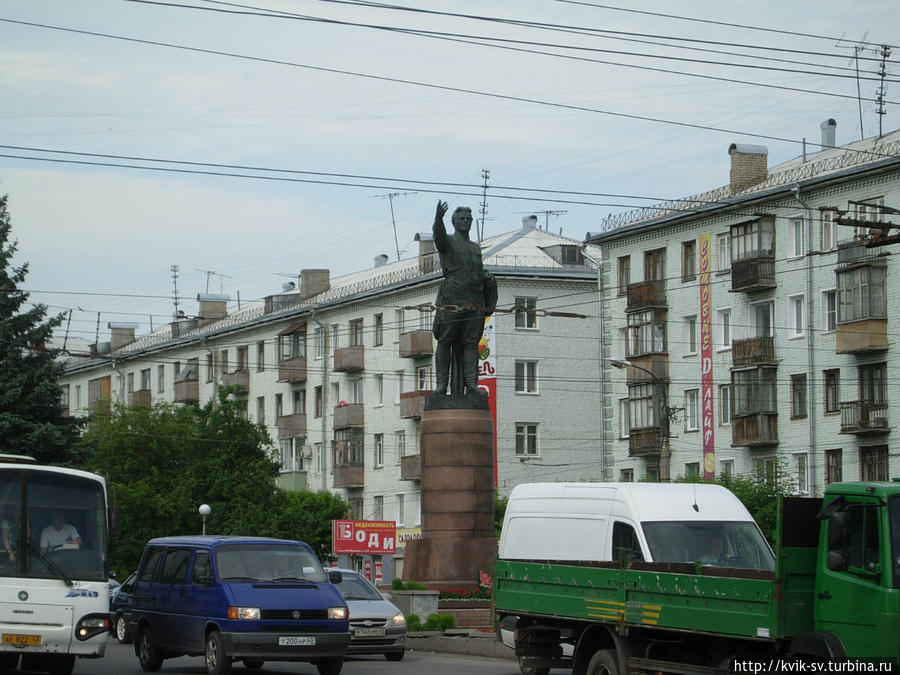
x=355, y=587
x=268, y=562
x=725, y=544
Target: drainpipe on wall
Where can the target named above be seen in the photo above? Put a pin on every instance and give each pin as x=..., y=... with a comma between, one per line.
x=810, y=351
x=205, y=345
x=324, y=454
x=603, y=467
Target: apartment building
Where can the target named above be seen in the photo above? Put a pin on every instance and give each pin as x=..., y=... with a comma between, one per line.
x=338, y=370
x=747, y=329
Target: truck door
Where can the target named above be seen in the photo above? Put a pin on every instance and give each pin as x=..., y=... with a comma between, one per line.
x=849, y=589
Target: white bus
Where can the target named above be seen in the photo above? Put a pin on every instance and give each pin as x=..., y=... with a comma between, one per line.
x=54, y=582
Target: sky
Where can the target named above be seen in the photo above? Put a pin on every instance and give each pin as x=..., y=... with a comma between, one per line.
x=244, y=142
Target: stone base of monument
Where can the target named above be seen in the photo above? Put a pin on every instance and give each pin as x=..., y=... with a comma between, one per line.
x=457, y=453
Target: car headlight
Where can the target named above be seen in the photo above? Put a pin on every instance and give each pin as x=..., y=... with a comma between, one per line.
x=339, y=613
x=397, y=621
x=251, y=613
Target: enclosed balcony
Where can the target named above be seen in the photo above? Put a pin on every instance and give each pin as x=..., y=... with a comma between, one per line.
x=346, y=416
x=753, y=274
x=142, y=397
x=864, y=417
x=644, y=442
x=415, y=344
x=349, y=359
x=646, y=295
x=647, y=369
x=411, y=467
x=349, y=470
x=292, y=370
x=292, y=481
x=412, y=403
x=291, y=426
x=754, y=430
x=753, y=351
x=238, y=379
x=187, y=391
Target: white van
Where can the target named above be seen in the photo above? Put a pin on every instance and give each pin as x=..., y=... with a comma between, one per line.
x=632, y=522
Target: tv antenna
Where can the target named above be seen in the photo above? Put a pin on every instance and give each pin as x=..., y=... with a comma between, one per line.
x=858, y=47
x=211, y=273
x=485, y=175
x=546, y=215
x=174, y=270
x=390, y=197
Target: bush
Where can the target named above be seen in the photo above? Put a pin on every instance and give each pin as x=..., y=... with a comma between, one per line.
x=398, y=584
x=439, y=622
x=413, y=623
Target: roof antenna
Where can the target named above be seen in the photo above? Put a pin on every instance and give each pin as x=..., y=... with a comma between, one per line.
x=696, y=508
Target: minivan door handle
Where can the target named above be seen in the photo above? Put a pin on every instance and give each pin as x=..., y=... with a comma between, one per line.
x=825, y=595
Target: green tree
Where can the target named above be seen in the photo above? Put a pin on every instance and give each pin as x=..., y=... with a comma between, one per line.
x=31, y=420
x=307, y=516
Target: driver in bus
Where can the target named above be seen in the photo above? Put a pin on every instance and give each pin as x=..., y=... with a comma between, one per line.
x=59, y=534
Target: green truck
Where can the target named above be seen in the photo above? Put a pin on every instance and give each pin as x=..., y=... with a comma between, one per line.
x=626, y=578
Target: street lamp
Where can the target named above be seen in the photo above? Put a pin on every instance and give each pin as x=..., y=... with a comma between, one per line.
x=204, y=511
x=659, y=387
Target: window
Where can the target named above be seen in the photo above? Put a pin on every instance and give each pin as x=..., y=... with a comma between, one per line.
x=279, y=406
x=319, y=342
x=335, y=393
x=150, y=564
x=145, y=379
x=798, y=396
x=626, y=475
x=242, y=409
x=762, y=315
x=77, y=397
x=210, y=368
x=723, y=263
x=751, y=240
x=655, y=265
x=753, y=391
x=688, y=260
x=378, y=507
x=624, y=422
x=356, y=507
x=691, y=409
x=690, y=335
x=202, y=571
x=873, y=383
x=692, y=470
x=379, y=389
x=724, y=404
x=623, y=276
x=161, y=379
x=425, y=378
x=802, y=472
x=726, y=467
x=64, y=397
x=723, y=329
x=621, y=345
x=335, y=337
x=765, y=469
x=175, y=567
x=526, y=316
x=646, y=333
x=378, y=330
x=625, y=543
x=130, y=383
x=861, y=543
x=400, y=377
x=832, y=390
x=317, y=451
x=317, y=402
x=243, y=358
x=293, y=345
x=828, y=229
x=378, y=450
x=834, y=466
x=861, y=294
x=260, y=356
x=400, y=444
x=400, y=321
x=829, y=310
x=355, y=392
x=526, y=377
x=356, y=333
x=426, y=318
x=287, y=455
x=260, y=410
x=795, y=238
x=643, y=408
x=868, y=211
x=526, y=439
x=400, y=509
x=796, y=318
x=299, y=401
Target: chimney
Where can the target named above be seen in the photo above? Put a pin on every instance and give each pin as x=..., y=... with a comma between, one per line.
x=748, y=166
x=314, y=282
x=121, y=334
x=529, y=223
x=828, y=136
x=381, y=260
x=288, y=287
x=212, y=308
x=427, y=251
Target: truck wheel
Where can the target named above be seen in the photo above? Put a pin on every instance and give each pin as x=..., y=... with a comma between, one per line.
x=217, y=661
x=330, y=666
x=603, y=662
x=530, y=670
x=148, y=654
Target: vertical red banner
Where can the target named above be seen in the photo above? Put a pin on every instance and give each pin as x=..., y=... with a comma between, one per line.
x=487, y=376
x=707, y=392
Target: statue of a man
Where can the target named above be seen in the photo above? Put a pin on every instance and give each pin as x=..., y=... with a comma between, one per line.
x=467, y=295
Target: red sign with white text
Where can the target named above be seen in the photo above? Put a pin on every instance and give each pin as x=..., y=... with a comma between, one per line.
x=374, y=537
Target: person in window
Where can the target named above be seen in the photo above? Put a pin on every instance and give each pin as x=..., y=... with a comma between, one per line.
x=9, y=533
x=715, y=551
x=59, y=534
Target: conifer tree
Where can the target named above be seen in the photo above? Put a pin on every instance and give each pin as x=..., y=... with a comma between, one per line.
x=31, y=420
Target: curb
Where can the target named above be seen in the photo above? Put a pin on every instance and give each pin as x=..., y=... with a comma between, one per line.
x=472, y=643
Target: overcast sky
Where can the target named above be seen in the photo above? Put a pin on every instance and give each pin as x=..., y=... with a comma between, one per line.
x=333, y=105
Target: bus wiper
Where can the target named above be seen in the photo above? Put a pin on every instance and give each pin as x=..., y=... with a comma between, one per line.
x=52, y=566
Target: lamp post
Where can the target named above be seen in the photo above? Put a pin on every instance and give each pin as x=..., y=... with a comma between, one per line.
x=204, y=511
x=659, y=387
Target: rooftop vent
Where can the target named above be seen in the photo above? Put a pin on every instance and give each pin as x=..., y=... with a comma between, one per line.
x=121, y=334
x=749, y=165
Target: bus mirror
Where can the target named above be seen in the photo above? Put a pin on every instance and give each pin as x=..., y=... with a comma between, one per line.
x=837, y=530
x=837, y=561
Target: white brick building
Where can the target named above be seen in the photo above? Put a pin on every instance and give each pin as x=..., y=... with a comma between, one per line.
x=802, y=358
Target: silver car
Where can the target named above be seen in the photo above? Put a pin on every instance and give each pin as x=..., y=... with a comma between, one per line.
x=377, y=626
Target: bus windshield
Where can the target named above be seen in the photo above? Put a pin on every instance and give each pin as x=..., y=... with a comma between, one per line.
x=52, y=525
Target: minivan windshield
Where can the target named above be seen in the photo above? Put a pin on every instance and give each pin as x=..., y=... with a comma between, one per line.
x=725, y=544
x=267, y=562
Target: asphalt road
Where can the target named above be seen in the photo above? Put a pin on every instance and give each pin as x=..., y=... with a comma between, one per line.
x=120, y=660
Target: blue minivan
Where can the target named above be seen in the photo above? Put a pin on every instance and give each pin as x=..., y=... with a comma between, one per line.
x=237, y=598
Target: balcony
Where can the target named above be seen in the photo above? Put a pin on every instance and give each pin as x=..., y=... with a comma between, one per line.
x=346, y=416
x=753, y=351
x=187, y=391
x=349, y=359
x=864, y=418
x=411, y=467
x=292, y=481
x=349, y=471
x=754, y=430
x=657, y=364
x=646, y=294
x=644, y=442
x=753, y=274
x=239, y=380
x=292, y=370
x=415, y=344
x=99, y=406
x=861, y=337
x=291, y=426
x=142, y=397
x=412, y=403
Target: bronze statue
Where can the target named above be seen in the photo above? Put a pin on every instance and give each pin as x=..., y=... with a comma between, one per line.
x=467, y=295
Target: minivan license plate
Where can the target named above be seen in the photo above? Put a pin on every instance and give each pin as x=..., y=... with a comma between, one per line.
x=296, y=640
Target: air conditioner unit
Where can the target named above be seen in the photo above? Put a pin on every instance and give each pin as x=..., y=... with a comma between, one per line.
x=306, y=452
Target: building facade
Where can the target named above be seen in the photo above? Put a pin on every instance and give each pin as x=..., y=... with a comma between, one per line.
x=746, y=330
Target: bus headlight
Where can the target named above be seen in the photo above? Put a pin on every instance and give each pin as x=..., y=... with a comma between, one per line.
x=90, y=625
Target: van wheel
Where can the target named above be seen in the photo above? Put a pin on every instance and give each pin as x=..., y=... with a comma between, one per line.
x=394, y=656
x=217, y=661
x=148, y=653
x=330, y=666
x=122, y=630
x=603, y=662
x=253, y=664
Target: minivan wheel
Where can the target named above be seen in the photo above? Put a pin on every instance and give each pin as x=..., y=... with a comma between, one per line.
x=217, y=661
x=122, y=630
x=148, y=654
x=330, y=666
x=394, y=656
